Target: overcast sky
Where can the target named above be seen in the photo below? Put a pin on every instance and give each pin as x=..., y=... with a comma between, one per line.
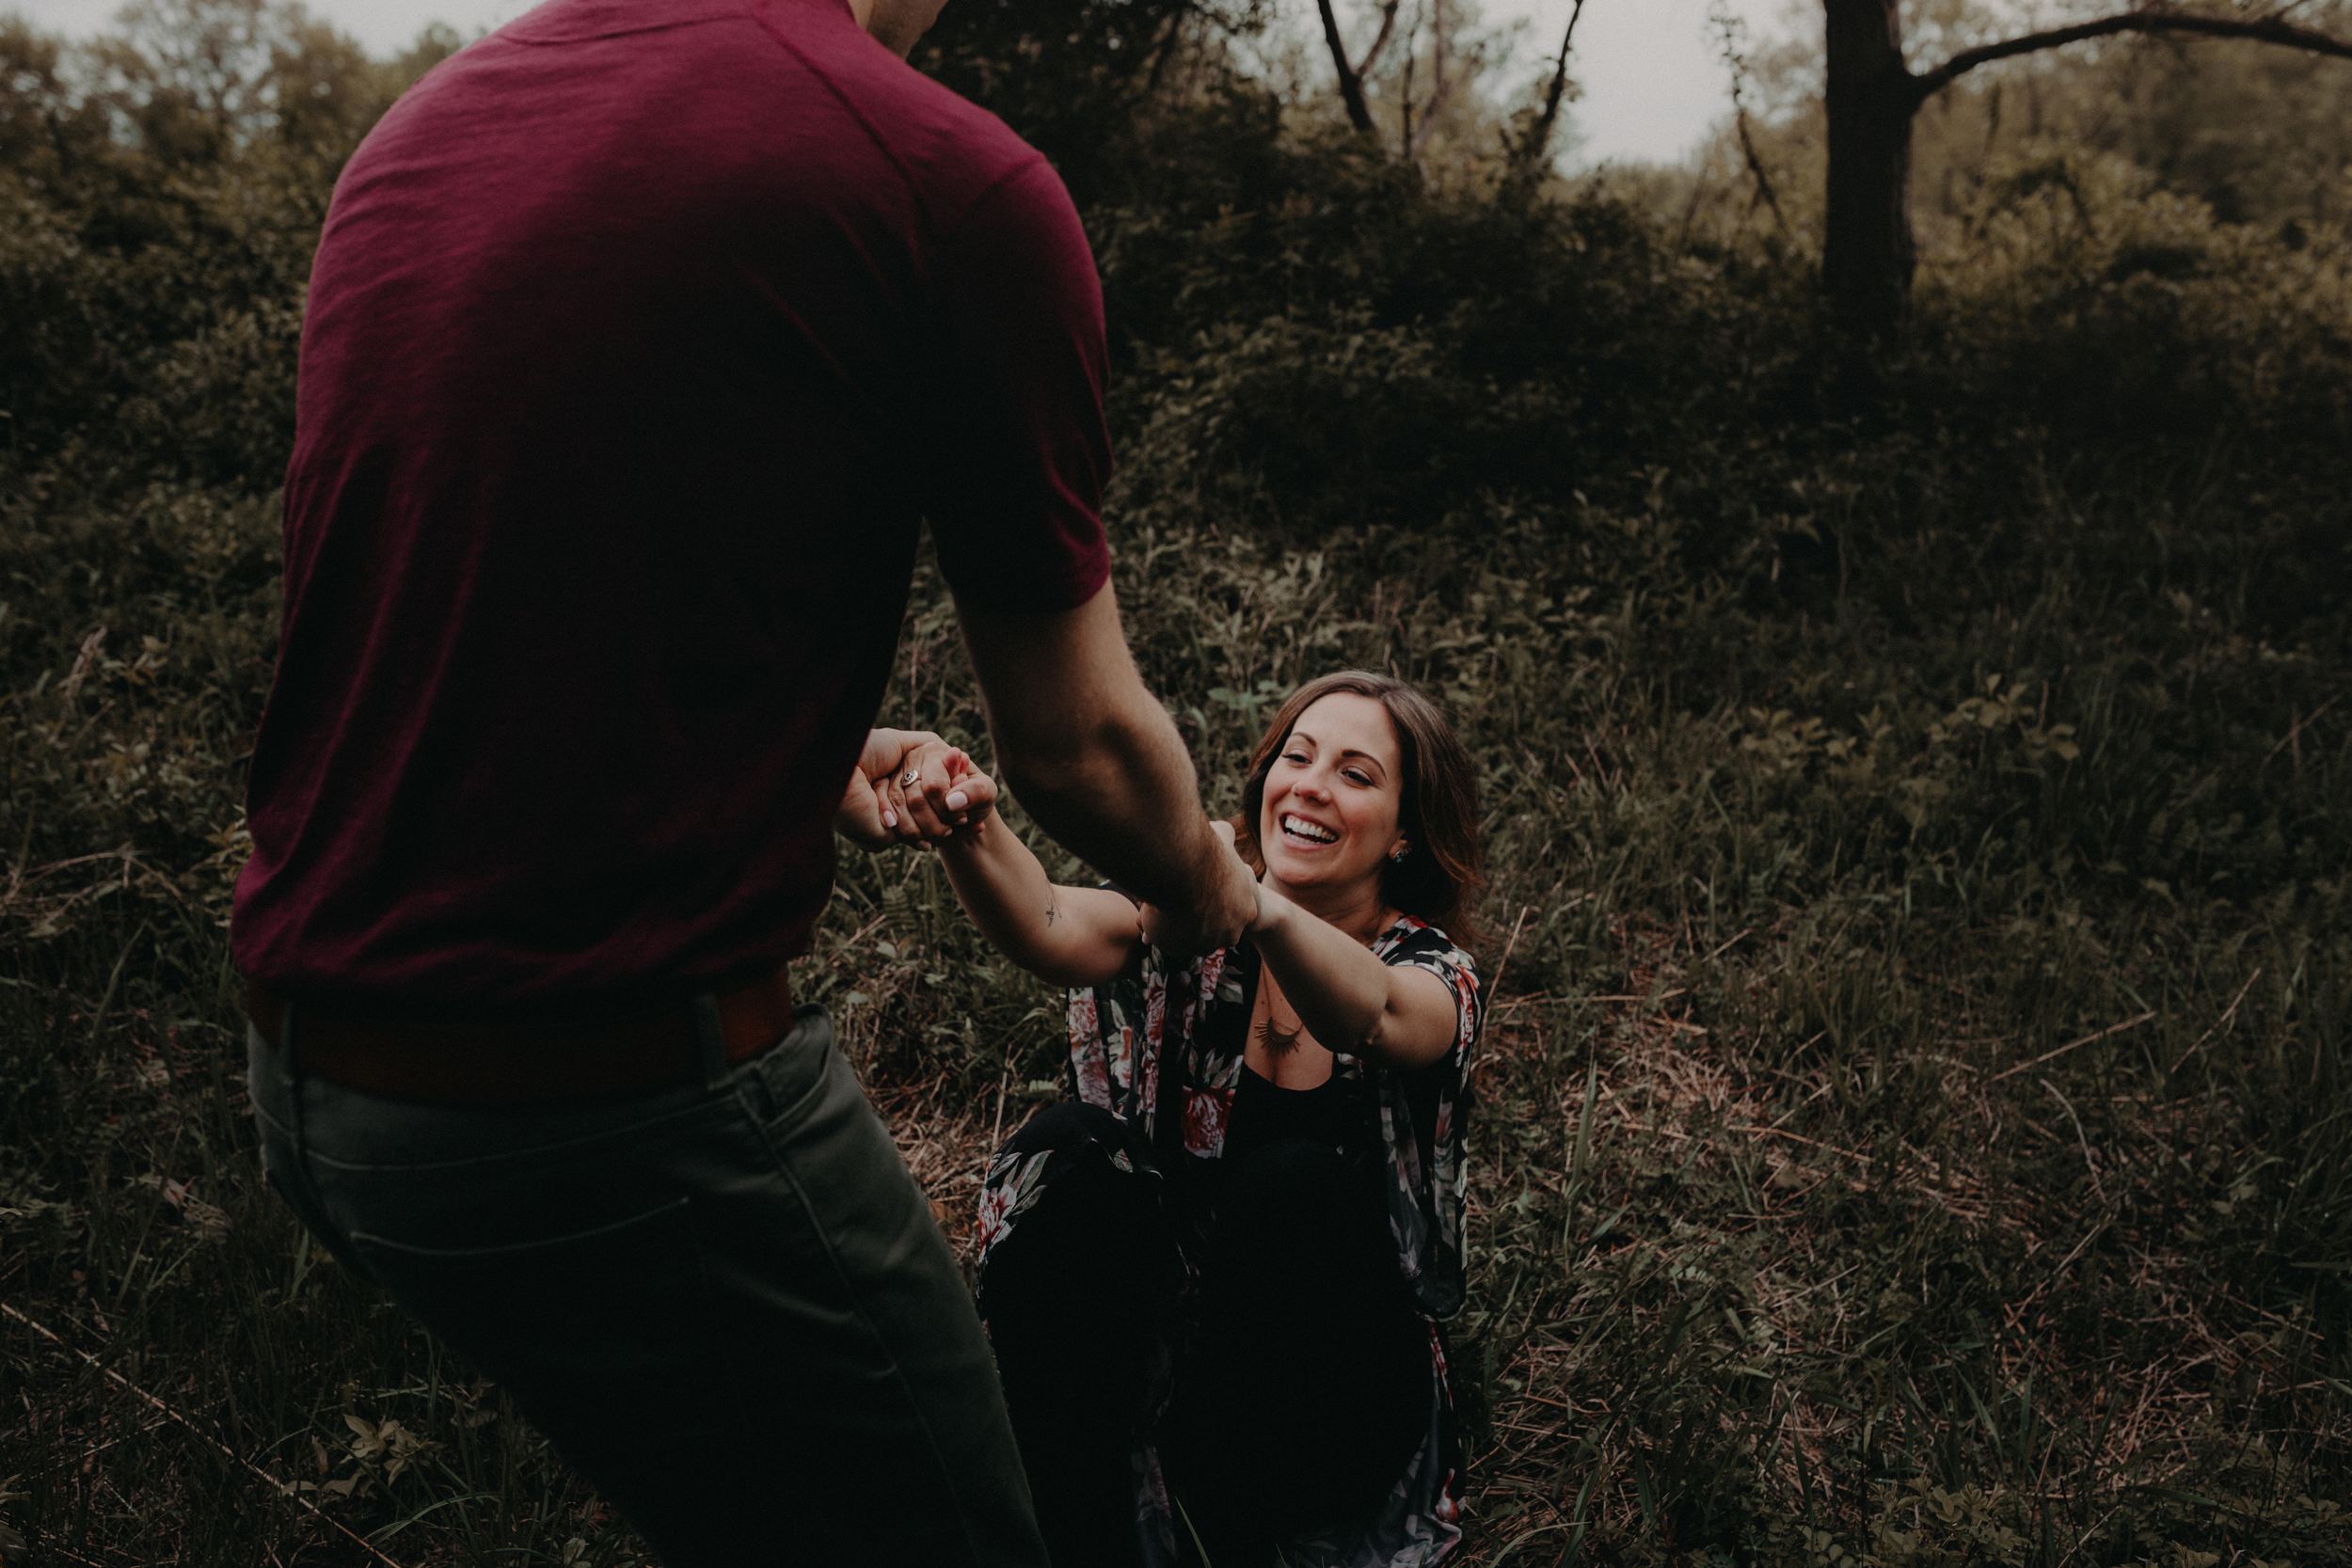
x=1653, y=75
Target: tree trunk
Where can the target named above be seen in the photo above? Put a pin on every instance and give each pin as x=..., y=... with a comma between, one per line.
x=1867, y=252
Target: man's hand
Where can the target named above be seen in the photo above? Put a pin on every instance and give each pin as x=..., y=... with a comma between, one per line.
x=1228, y=915
x=873, y=812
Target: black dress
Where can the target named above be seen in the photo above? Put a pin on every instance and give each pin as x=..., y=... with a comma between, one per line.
x=1214, y=1300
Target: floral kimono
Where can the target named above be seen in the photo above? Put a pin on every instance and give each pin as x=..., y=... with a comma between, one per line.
x=1162, y=1048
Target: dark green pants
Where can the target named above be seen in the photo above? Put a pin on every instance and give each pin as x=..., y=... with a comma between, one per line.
x=726, y=1303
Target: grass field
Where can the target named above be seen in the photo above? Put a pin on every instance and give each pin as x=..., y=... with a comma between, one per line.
x=1875, y=1158
x=1914, y=1127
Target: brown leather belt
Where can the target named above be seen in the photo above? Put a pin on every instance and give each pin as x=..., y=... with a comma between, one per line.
x=467, y=1064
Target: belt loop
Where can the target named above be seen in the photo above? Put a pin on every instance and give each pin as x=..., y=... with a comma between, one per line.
x=710, y=1039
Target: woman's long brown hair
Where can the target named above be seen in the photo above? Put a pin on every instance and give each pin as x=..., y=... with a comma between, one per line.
x=1438, y=809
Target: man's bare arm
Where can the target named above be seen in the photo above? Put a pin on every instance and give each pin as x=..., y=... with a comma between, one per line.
x=1097, y=762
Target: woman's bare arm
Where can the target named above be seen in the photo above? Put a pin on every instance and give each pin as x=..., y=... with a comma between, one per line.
x=1070, y=936
x=1389, y=1015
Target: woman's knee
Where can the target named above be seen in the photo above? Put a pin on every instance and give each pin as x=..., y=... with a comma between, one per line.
x=1066, y=1126
x=1080, y=1217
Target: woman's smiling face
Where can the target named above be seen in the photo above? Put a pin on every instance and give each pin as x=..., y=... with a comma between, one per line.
x=1333, y=797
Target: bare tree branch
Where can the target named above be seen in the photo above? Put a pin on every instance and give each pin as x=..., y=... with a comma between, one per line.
x=1404, y=95
x=2269, y=29
x=1351, y=82
x=1352, y=76
x=1755, y=171
x=1736, y=62
x=1538, y=139
x=1380, y=40
x=1444, y=87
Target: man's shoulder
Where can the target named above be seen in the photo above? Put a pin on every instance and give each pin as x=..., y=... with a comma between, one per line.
x=949, y=147
x=778, y=77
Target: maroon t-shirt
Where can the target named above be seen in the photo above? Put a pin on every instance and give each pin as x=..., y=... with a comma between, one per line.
x=642, y=336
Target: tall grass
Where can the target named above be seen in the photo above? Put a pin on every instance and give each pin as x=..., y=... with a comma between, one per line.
x=1913, y=1125
x=1912, y=1121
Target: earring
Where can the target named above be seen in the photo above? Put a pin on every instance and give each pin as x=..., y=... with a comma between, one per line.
x=1397, y=856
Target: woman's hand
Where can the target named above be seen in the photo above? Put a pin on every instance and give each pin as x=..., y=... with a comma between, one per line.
x=873, y=812
x=939, y=789
x=1068, y=936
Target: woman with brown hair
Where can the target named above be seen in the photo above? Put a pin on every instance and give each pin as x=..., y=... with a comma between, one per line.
x=1213, y=1279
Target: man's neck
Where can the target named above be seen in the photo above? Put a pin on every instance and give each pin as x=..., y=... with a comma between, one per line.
x=896, y=23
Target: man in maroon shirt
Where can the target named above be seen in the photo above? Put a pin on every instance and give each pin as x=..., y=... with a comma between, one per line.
x=644, y=336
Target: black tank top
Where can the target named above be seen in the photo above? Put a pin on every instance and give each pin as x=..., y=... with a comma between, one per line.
x=1265, y=1113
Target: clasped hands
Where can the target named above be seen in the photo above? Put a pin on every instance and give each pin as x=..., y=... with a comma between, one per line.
x=912, y=787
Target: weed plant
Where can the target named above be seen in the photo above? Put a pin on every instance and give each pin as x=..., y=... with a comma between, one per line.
x=1913, y=1123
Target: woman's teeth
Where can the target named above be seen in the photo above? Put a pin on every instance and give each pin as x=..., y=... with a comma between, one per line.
x=1315, y=832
